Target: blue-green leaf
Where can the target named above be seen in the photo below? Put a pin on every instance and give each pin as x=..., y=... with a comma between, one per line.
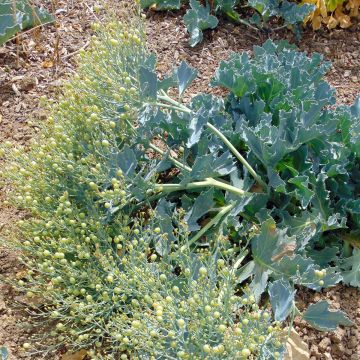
x=164, y=211
x=148, y=83
x=4, y=353
x=351, y=267
x=161, y=4
x=185, y=75
x=282, y=298
x=210, y=166
x=127, y=161
x=320, y=317
x=197, y=19
x=203, y=203
x=25, y=16
x=294, y=13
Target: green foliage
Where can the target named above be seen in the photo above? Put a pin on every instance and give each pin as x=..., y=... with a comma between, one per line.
x=321, y=318
x=200, y=16
x=161, y=4
x=19, y=15
x=277, y=114
x=197, y=19
x=113, y=274
x=4, y=354
x=282, y=298
x=153, y=222
x=291, y=12
x=351, y=268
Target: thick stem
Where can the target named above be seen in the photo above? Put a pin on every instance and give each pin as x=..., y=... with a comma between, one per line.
x=167, y=98
x=234, y=16
x=237, y=154
x=171, y=107
x=211, y=223
x=208, y=182
x=180, y=107
x=347, y=250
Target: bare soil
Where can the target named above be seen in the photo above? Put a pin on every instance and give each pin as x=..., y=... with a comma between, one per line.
x=45, y=59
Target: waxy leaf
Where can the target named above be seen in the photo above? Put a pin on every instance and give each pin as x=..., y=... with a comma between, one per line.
x=320, y=317
x=351, y=266
x=203, y=203
x=281, y=298
x=161, y=4
x=185, y=75
x=4, y=353
x=197, y=19
x=148, y=83
x=225, y=5
x=24, y=16
x=164, y=212
x=127, y=161
x=210, y=166
x=294, y=13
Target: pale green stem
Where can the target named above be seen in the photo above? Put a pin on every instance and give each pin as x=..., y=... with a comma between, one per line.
x=167, y=98
x=180, y=107
x=176, y=162
x=211, y=223
x=171, y=107
x=237, y=154
x=208, y=182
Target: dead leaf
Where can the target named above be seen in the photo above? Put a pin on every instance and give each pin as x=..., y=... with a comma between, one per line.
x=21, y=274
x=316, y=22
x=47, y=64
x=288, y=250
x=296, y=348
x=257, y=188
x=79, y=355
x=322, y=6
x=343, y=19
x=332, y=23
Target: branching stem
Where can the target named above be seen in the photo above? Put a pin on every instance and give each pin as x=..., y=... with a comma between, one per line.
x=175, y=105
x=211, y=223
x=237, y=154
x=208, y=182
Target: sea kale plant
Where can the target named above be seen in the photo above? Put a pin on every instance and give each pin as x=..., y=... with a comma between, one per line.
x=107, y=268
x=157, y=228
x=273, y=166
x=204, y=15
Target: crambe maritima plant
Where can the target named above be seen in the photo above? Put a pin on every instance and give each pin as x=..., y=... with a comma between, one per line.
x=203, y=15
x=274, y=164
x=108, y=268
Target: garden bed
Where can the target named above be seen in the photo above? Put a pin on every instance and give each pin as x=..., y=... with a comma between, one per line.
x=22, y=85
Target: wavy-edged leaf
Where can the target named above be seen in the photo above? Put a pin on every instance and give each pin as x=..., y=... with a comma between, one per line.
x=185, y=75
x=4, y=353
x=197, y=19
x=351, y=269
x=127, y=161
x=148, y=83
x=161, y=4
x=203, y=203
x=322, y=318
x=294, y=13
x=26, y=16
x=210, y=165
x=164, y=212
x=282, y=296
